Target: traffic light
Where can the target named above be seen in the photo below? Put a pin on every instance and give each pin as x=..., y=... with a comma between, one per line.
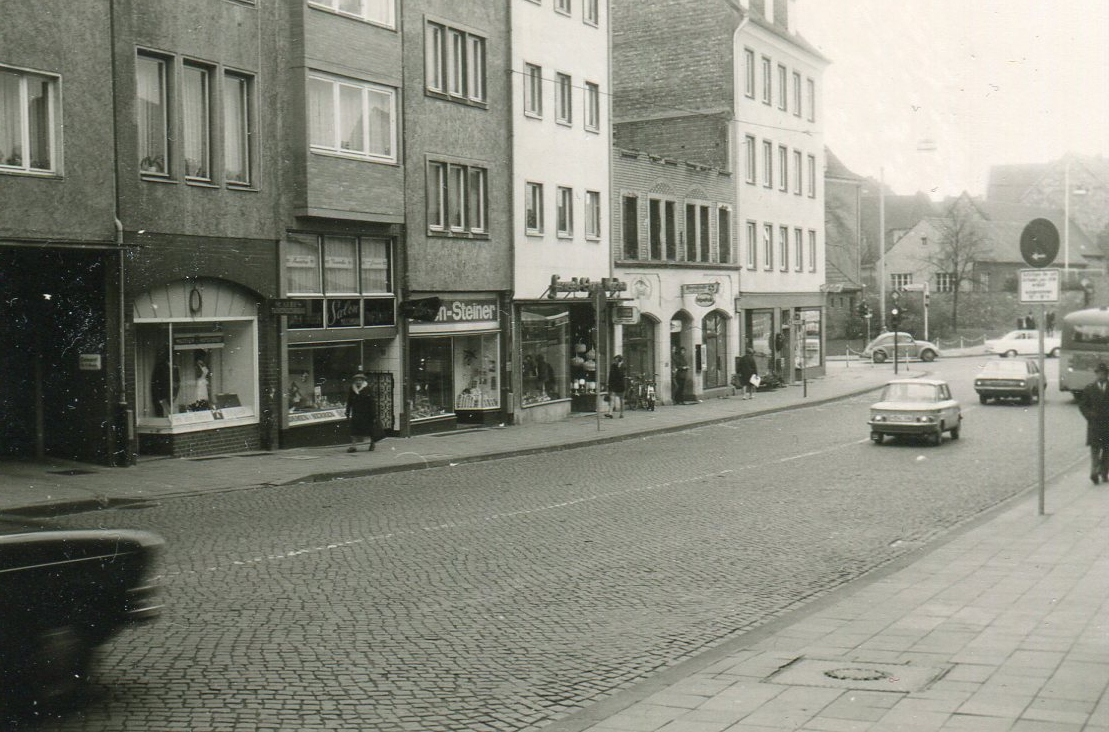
x=895, y=317
x=863, y=310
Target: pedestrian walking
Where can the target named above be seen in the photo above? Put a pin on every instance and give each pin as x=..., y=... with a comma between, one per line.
x=1094, y=404
x=1029, y=321
x=616, y=386
x=362, y=414
x=1049, y=322
x=680, y=368
x=748, y=372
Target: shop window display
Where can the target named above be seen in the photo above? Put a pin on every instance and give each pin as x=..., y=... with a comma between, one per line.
x=318, y=379
x=193, y=373
x=545, y=345
x=714, y=330
x=475, y=372
x=432, y=375
x=639, y=348
x=812, y=321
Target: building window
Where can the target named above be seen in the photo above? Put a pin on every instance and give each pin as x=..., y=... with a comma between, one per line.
x=812, y=176
x=724, y=234
x=533, y=208
x=697, y=234
x=655, y=235
x=714, y=332
x=749, y=71
x=28, y=114
x=564, y=99
x=564, y=211
x=153, y=115
x=752, y=162
x=670, y=226
x=783, y=248
x=629, y=215
x=592, y=107
x=798, y=250
x=662, y=229
x=546, y=347
x=592, y=215
x=811, y=88
x=983, y=281
x=196, y=98
x=380, y=12
x=796, y=94
x=590, y=13
x=238, y=114
x=752, y=245
x=783, y=168
x=352, y=118
x=533, y=90
x=783, y=90
x=768, y=246
x=812, y=250
x=902, y=279
x=563, y=6
x=797, y=177
x=945, y=282
x=767, y=81
x=454, y=62
x=768, y=163
x=456, y=198
x=348, y=280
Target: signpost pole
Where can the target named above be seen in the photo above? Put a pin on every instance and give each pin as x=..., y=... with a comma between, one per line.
x=1040, y=403
x=598, y=303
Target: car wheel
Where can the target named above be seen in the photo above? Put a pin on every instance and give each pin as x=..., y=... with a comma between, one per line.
x=1009, y=354
x=1054, y=352
x=983, y=399
x=877, y=437
x=878, y=357
x=937, y=436
x=1025, y=398
x=59, y=665
x=928, y=355
x=955, y=432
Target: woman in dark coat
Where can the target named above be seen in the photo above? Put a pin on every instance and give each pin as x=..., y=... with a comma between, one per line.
x=1094, y=404
x=362, y=413
x=745, y=369
x=616, y=386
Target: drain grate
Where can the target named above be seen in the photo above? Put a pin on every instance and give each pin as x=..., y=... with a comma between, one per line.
x=856, y=674
x=71, y=471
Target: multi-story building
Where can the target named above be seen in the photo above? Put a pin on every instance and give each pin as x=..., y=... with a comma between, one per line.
x=733, y=86
x=457, y=153
x=843, y=279
x=338, y=87
x=673, y=240
x=561, y=142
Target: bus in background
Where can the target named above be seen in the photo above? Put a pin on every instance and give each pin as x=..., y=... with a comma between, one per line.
x=1085, y=345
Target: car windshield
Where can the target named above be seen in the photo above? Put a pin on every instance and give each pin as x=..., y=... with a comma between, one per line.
x=1005, y=367
x=910, y=393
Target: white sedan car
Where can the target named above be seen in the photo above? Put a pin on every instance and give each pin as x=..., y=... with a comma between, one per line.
x=1023, y=343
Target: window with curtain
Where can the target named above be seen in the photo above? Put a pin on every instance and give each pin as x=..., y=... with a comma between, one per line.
x=590, y=12
x=592, y=106
x=564, y=99
x=27, y=114
x=346, y=281
x=783, y=248
x=456, y=198
x=798, y=250
x=752, y=245
x=302, y=265
x=454, y=62
x=196, y=82
x=533, y=90
x=436, y=195
x=456, y=194
x=768, y=246
x=565, y=211
x=533, y=208
x=752, y=161
x=236, y=129
x=381, y=12
x=339, y=272
x=153, y=117
x=352, y=118
x=475, y=197
x=374, y=266
x=592, y=215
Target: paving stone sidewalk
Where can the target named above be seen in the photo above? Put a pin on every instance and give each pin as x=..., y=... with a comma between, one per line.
x=1003, y=627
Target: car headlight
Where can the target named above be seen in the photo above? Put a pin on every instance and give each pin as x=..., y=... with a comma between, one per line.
x=979, y=383
x=1021, y=383
x=878, y=418
x=926, y=418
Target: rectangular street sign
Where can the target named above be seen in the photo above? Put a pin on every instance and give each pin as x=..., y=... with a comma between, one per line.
x=1039, y=285
x=288, y=306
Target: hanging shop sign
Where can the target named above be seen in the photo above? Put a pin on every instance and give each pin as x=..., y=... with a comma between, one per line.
x=88, y=362
x=701, y=288
x=625, y=315
x=704, y=299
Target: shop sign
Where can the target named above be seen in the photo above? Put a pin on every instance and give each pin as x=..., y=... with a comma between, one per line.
x=325, y=415
x=300, y=260
x=343, y=313
x=675, y=326
x=288, y=307
x=701, y=288
x=89, y=362
x=625, y=315
x=338, y=262
x=467, y=311
x=204, y=339
x=704, y=299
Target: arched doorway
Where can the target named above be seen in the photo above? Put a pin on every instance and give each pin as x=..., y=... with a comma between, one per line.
x=640, y=348
x=681, y=337
x=714, y=333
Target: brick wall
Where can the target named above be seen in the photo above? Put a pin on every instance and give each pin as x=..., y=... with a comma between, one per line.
x=207, y=442
x=697, y=138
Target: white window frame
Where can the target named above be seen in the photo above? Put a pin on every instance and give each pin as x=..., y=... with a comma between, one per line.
x=533, y=90
x=365, y=88
x=475, y=68
x=783, y=88
x=767, y=81
x=564, y=7
x=783, y=168
x=592, y=107
x=564, y=98
x=533, y=200
x=798, y=181
x=752, y=244
x=768, y=163
x=752, y=159
x=452, y=186
x=590, y=12
x=798, y=249
x=437, y=190
x=796, y=94
x=750, y=73
x=812, y=176
x=24, y=165
x=783, y=248
x=165, y=69
x=900, y=279
x=768, y=246
x=811, y=88
x=334, y=6
x=945, y=282
x=204, y=173
x=564, y=212
x=477, y=187
x=433, y=57
x=592, y=215
x=243, y=85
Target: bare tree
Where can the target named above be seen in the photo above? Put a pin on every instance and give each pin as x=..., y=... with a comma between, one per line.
x=963, y=241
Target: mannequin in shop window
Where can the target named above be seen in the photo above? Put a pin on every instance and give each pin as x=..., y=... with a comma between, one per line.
x=202, y=376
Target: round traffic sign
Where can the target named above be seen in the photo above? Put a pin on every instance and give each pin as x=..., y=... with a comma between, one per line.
x=1039, y=243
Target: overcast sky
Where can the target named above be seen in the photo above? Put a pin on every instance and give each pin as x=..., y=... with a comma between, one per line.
x=990, y=81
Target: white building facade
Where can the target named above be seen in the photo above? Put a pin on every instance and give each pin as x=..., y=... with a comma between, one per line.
x=561, y=151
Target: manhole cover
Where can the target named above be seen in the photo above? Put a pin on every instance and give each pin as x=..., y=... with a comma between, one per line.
x=858, y=674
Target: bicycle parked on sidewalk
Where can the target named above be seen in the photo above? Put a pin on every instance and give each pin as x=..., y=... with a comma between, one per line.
x=641, y=393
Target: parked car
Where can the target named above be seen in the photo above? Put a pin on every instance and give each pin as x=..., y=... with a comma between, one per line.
x=915, y=407
x=1024, y=343
x=63, y=593
x=880, y=349
x=1017, y=378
